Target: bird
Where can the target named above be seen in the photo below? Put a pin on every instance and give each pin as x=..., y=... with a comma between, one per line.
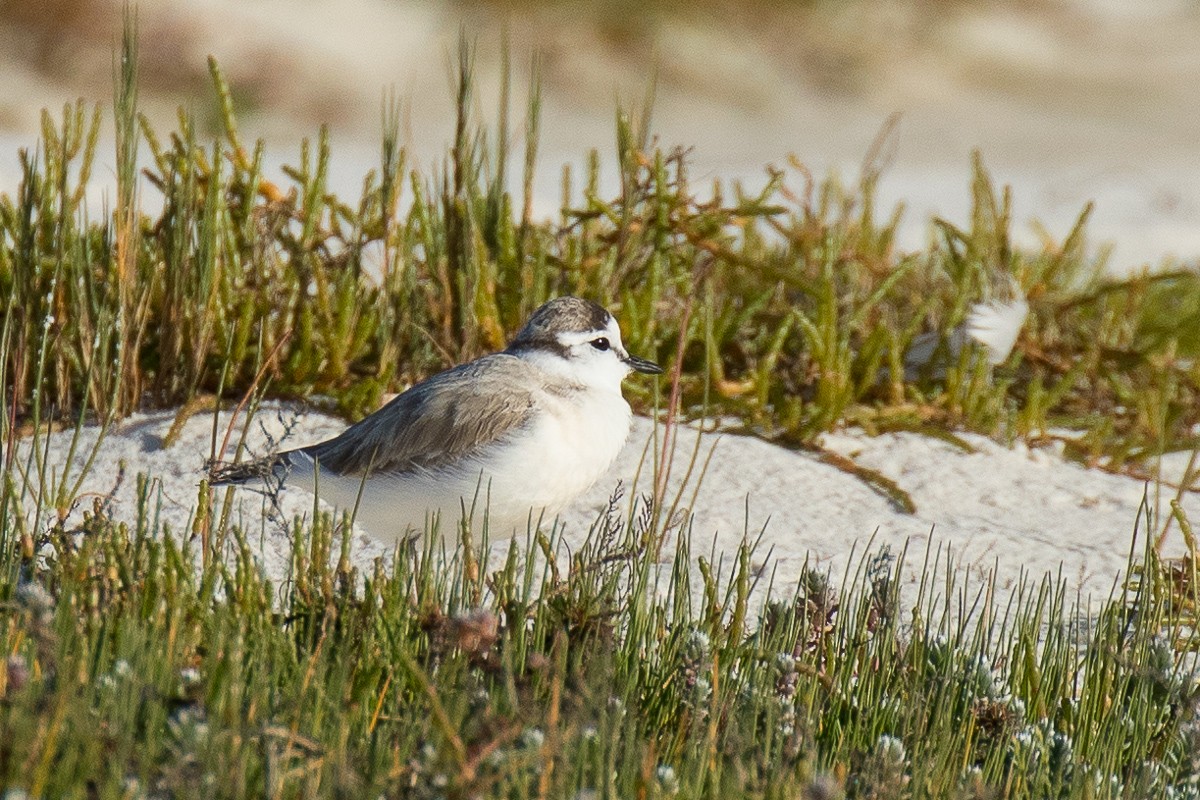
x=514, y=435
x=992, y=324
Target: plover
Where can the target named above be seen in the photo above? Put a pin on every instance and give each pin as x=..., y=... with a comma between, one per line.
x=520, y=433
x=992, y=324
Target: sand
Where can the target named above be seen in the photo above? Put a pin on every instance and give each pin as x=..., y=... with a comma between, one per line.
x=1016, y=510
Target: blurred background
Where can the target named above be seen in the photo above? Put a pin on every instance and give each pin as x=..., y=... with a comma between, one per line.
x=1068, y=100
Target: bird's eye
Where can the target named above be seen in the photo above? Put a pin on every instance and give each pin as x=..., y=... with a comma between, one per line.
x=600, y=344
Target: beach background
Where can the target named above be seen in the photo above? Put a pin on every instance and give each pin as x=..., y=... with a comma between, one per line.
x=1069, y=101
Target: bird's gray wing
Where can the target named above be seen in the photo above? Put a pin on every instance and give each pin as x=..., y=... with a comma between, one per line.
x=447, y=417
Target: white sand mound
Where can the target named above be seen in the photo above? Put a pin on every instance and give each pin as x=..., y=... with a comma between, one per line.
x=1017, y=510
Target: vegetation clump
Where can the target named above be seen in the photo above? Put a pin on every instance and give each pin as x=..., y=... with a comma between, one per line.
x=790, y=309
x=136, y=668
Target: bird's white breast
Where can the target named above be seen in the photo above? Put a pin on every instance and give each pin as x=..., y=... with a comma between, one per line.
x=571, y=443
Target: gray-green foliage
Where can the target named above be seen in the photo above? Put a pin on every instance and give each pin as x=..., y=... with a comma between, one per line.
x=134, y=667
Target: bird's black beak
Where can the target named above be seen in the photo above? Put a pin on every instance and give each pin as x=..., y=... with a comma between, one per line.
x=643, y=365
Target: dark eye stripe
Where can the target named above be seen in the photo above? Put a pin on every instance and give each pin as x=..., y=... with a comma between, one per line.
x=600, y=344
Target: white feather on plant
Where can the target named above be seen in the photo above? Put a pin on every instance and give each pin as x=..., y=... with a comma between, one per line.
x=996, y=325
x=993, y=324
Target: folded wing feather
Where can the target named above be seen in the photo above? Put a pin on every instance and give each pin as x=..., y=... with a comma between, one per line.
x=453, y=415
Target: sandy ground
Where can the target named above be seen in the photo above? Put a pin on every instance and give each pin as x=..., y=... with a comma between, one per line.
x=1069, y=100
x=1017, y=511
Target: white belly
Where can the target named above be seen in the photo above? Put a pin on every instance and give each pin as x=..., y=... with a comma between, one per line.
x=533, y=474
